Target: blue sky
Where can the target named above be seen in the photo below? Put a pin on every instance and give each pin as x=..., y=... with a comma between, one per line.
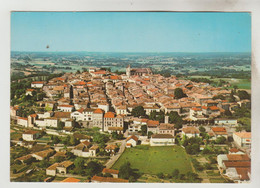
x=131, y=31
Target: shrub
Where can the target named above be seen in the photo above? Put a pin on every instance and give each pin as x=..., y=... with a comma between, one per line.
x=160, y=175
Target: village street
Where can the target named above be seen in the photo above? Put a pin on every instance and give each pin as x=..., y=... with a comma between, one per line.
x=114, y=158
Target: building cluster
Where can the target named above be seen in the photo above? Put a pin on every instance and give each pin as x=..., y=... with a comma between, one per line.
x=99, y=98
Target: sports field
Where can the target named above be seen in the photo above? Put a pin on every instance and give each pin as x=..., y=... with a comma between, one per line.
x=153, y=160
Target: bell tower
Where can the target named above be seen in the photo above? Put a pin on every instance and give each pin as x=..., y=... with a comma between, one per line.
x=128, y=71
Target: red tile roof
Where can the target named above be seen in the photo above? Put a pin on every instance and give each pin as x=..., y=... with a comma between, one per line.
x=109, y=115
x=238, y=157
x=98, y=111
x=110, y=171
x=190, y=130
x=108, y=179
x=70, y=180
x=132, y=137
x=152, y=123
x=243, y=134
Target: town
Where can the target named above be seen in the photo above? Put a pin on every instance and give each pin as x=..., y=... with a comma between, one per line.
x=100, y=126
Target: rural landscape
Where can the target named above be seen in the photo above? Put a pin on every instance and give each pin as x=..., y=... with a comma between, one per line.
x=128, y=117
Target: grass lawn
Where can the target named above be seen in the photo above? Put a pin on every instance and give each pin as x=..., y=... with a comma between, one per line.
x=152, y=160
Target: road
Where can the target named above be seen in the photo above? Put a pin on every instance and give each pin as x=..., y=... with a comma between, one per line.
x=114, y=158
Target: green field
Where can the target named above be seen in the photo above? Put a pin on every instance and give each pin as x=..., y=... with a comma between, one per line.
x=152, y=160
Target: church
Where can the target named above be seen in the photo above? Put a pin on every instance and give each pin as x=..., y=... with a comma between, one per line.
x=138, y=71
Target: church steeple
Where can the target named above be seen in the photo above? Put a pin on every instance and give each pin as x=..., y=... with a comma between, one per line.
x=128, y=71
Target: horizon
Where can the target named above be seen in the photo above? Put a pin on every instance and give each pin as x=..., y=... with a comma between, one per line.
x=122, y=52
x=131, y=32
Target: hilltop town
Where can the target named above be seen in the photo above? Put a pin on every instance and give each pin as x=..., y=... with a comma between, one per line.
x=98, y=126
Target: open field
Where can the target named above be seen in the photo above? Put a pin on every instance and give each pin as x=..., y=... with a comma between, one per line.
x=153, y=160
x=240, y=83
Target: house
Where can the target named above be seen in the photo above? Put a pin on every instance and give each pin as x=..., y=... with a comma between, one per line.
x=152, y=126
x=98, y=118
x=22, y=121
x=113, y=123
x=24, y=158
x=70, y=180
x=43, y=154
x=37, y=84
x=218, y=132
x=99, y=179
x=162, y=140
x=196, y=114
x=231, y=158
x=225, y=122
x=111, y=148
x=235, y=151
x=239, y=175
x=242, y=139
x=166, y=128
x=29, y=92
x=65, y=108
x=113, y=172
x=131, y=141
x=63, y=167
x=190, y=132
x=51, y=170
x=83, y=150
x=30, y=135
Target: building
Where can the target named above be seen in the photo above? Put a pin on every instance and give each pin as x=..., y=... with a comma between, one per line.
x=223, y=158
x=166, y=128
x=242, y=139
x=65, y=108
x=190, y=132
x=112, y=172
x=83, y=150
x=139, y=71
x=30, y=135
x=97, y=118
x=22, y=121
x=219, y=132
x=41, y=155
x=131, y=141
x=37, y=84
x=99, y=179
x=113, y=123
x=162, y=140
x=152, y=126
x=225, y=122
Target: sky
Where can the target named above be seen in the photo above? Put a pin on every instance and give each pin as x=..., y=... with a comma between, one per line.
x=131, y=31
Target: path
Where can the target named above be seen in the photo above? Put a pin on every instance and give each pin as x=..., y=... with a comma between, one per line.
x=114, y=158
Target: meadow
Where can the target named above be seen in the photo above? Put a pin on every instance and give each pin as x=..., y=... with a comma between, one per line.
x=153, y=160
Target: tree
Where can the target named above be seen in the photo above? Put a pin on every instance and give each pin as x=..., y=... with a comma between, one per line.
x=150, y=134
x=175, y=118
x=79, y=163
x=227, y=113
x=125, y=171
x=242, y=94
x=144, y=130
x=221, y=140
x=73, y=141
x=60, y=125
x=100, y=138
x=178, y=93
x=138, y=111
x=202, y=129
x=55, y=139
x=94, y=168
